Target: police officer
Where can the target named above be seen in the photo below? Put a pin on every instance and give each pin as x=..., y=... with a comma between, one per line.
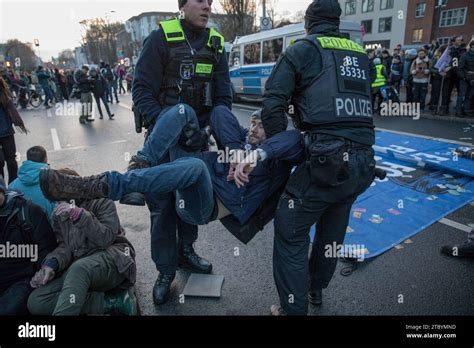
x=182, y=63
x=327, y=79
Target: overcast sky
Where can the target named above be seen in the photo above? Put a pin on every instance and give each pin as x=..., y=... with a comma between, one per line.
x=55, y=23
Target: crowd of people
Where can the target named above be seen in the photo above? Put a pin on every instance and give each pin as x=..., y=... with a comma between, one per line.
x=297, y=178
x=431, y=70
x=56, y=85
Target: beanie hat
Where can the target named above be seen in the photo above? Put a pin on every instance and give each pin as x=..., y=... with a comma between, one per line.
x=322, y=11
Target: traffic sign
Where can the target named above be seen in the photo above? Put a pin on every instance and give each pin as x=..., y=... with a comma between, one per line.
x=265, y=23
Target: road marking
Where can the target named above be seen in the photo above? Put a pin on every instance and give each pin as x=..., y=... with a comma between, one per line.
x=56, y=143
x=455, y=225
x=424, y=136
x=86, y=146
x=126, y=106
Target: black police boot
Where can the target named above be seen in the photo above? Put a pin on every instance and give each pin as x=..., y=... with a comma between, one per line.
x=135, y=198
x=161, y=290
x=188, y=259
x=315, y=297
x=463, y=250
x=61, y=187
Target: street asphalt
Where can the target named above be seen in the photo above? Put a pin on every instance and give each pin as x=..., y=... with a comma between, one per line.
x=428, y=282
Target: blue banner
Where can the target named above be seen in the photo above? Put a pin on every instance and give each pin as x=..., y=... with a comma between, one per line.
x=422, y=186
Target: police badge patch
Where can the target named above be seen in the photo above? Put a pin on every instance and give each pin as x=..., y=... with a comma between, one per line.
x=186, y=70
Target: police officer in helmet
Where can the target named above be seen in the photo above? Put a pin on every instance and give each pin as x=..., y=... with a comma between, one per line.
x=324, y=78
x=182, y=70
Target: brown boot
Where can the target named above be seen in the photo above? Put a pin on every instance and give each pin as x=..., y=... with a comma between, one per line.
x=61, y=187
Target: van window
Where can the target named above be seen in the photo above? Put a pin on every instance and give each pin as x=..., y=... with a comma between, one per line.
x=252, y=53
x=272, y=50
x=234, y=59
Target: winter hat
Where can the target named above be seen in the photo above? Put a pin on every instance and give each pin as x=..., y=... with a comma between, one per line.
x=181, y=3
x=257, y=114
x=322, y=11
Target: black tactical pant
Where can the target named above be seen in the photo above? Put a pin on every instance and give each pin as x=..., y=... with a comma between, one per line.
x=302, y=205
x=164, y=223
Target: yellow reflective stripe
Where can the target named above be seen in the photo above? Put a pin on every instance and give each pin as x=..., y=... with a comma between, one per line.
x=172, y=29
x=212, y=33
x=340, y=44
x=203, y=68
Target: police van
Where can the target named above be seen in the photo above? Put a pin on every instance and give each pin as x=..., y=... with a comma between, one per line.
x=252, y=57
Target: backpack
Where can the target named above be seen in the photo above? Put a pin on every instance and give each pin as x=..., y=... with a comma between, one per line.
x=109, y=75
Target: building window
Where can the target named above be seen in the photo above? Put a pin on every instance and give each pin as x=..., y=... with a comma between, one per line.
x=385, y=24
x=367, y=26
x=452, y=18
x=443, y=40
x=272, y=50
x=417, y=35
x=350, y=7
x=367, y=6
x=420, y=10
x=386, y=4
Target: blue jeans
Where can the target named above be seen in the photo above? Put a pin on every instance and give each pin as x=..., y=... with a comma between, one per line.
x=13, y=300
x=104, y=100
x=163, y=139
x=188, y=176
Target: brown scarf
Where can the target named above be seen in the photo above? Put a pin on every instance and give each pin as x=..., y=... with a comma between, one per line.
x=15, y=117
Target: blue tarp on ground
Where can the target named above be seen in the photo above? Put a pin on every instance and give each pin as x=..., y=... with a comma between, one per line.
x=422, y=186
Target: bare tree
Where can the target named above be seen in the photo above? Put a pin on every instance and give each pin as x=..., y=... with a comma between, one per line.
x=240, y=17
x=66, y=58
x=270, y=7
x=99, y=39
x=14, y=49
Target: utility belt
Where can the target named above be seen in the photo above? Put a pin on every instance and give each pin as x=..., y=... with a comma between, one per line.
x=198, y=96
x=328, y=157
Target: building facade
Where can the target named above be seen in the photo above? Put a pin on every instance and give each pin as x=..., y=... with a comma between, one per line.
x=429, y=20
x=140, y=26
x=382, y=22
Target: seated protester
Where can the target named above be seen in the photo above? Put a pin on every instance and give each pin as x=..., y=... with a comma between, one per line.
x=27, y=181
x=23, y=226
x=93, y=257
x=203, y=188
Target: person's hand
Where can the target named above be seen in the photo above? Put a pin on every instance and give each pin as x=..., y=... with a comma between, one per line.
x=443, y=74
x=42, y=277
x=192, y=139
x=62, y=208
x=427, y=71
x=230, y=175
x=243, y=170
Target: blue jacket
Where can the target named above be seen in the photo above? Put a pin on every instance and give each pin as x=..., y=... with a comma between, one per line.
x=149, y=73
x=28, y=184
x=43, y=79
x=6, y=128
x=267, y=177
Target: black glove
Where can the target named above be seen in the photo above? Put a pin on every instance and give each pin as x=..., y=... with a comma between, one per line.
x=195, y=142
